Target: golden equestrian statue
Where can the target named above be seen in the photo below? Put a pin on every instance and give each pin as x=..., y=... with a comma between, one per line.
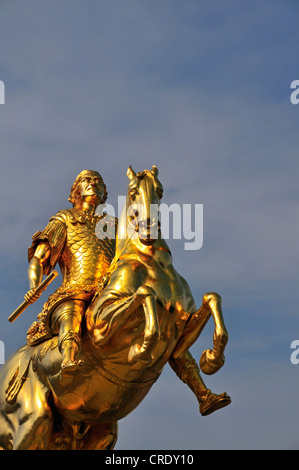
x=105, y=335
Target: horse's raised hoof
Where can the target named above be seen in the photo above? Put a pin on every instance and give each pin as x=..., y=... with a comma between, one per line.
x=210, y=363
x=212, y=402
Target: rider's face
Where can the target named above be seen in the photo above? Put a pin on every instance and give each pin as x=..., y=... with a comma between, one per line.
x=92, y=188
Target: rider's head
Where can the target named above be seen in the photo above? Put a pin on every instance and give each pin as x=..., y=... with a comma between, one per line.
x=88, y=184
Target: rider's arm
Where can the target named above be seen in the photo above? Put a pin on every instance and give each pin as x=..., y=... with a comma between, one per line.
x=36, y=269
x=46, y=250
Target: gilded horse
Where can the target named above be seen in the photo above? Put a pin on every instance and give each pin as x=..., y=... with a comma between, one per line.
x=143, y=318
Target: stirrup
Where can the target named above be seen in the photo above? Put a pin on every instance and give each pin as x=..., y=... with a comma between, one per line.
x=69, y=370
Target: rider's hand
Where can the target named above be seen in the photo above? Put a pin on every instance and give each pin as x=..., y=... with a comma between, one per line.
x=31, y=296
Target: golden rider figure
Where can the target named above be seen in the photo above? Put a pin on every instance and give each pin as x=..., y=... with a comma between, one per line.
x=71, y=240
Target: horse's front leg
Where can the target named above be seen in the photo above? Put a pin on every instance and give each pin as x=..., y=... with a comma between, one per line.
x=144, y=353
x=211, y=360
x=107, y=313
x=110, y=311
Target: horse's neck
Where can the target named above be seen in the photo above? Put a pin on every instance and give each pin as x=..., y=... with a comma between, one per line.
x=123, y=235
x=135, y=246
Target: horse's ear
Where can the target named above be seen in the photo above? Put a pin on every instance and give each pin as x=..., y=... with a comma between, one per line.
x=131, y=173
x=154, y=170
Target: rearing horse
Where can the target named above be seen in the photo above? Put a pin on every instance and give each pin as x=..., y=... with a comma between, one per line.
x=143, y=318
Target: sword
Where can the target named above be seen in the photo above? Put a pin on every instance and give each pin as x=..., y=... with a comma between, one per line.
x=39, y=289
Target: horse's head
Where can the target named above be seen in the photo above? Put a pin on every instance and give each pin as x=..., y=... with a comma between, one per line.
x=144, y=194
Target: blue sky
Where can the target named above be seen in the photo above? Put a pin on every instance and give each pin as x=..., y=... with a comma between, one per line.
x=202, y=90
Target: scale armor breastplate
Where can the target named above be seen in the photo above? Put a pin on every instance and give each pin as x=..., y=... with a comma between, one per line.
x=85, y=258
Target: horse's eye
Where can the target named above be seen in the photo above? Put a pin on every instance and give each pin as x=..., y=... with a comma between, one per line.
x=160, y=192
x=133, y=193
